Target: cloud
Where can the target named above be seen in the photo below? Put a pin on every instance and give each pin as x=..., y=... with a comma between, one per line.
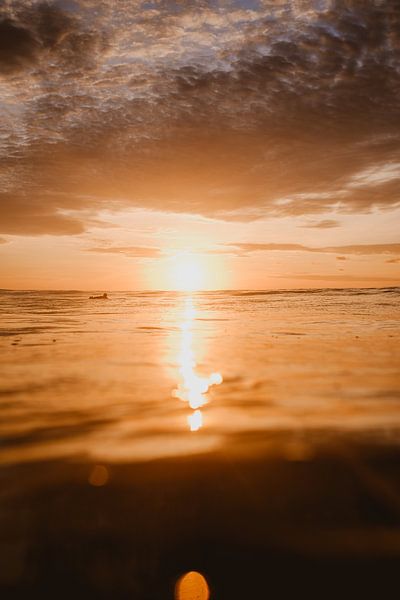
x=359, y=249
x=324, y=224
x=29, y=216
x=218, y=109
x=18, y=47
x=36, y=34
x=343, y=278
x=376, y=175
x=366, y=249
x=129, y=251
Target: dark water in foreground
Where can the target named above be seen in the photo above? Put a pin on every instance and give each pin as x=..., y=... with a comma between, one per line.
x=253, y=437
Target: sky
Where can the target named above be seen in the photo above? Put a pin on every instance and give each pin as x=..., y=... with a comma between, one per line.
x=199, y=144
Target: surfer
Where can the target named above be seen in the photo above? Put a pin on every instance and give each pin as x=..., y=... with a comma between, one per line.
x=102, y=297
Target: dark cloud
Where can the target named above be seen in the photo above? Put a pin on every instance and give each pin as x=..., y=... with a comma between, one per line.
x=129, y=251
x=18, y=47
x=42, y=37
x=285, y=109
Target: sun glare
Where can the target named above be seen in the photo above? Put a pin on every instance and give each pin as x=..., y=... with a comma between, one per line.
x=188, y=270
x=188, y=273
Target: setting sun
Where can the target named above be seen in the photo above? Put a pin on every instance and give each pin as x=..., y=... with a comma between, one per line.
x=187, y=269
x=188, y=273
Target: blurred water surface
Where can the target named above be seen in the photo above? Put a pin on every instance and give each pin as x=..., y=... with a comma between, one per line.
x=152, y=375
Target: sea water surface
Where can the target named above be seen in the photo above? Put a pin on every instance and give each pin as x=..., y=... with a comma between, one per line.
x=161, y=444
x=150, y=375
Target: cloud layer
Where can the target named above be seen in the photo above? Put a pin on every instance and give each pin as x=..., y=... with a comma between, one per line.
x=358, y=249
x=246, y=249
x=129, y=251
x=232, y=109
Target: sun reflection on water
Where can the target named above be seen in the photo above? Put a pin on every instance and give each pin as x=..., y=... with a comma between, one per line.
x=195, y=420
x=192, y=388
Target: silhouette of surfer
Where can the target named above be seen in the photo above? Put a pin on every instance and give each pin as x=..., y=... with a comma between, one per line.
x=102, y=297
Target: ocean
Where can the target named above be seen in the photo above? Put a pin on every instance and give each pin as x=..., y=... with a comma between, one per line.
x=228, y=432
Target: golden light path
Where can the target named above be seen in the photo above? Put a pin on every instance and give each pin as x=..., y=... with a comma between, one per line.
x=193, y=388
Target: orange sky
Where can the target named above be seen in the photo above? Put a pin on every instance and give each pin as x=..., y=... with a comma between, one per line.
x=236, y=144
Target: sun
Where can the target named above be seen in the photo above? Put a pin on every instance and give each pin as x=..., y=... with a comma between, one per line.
x=187, y=272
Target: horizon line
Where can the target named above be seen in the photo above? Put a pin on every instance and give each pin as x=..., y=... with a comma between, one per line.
x=186, y=292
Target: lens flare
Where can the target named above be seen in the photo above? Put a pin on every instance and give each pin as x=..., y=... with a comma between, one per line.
x=192, y=586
